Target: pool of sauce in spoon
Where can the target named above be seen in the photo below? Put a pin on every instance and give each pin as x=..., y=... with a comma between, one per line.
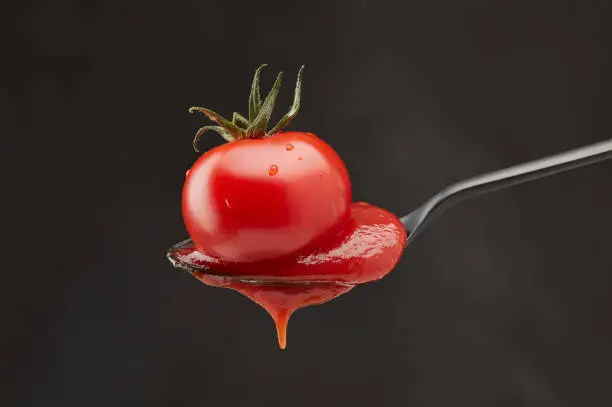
x=367, y=250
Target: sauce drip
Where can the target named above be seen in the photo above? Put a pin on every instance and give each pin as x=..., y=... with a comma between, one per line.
x=279, y=300
x=366, y=249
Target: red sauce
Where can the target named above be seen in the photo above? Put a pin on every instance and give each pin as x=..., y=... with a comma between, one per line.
x=367, y=249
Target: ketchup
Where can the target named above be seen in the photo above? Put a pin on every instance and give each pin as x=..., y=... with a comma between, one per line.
x=366, y=250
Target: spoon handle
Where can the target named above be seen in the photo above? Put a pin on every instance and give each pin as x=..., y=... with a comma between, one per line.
x=505, y=178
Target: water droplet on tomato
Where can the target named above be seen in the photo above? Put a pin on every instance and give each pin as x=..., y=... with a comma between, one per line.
x=289, y=147
x=187, y=172
x=273, y=170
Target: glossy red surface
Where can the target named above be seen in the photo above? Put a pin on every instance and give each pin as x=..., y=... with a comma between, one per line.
x=257, y=199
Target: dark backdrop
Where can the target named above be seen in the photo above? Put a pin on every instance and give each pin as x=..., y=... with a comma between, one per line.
x=504, y=301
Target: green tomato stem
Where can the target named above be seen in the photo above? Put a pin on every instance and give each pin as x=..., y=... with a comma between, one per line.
x=259, y=113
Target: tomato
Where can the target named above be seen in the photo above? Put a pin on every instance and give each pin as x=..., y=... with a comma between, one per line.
x=258, y=199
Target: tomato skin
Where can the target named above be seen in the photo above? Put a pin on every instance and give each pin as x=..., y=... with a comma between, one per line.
x=259, y=199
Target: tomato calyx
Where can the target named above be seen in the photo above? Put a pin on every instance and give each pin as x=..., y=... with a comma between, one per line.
x=240, y=127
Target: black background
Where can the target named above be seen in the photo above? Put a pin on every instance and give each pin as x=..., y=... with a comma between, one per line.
x=504, y=301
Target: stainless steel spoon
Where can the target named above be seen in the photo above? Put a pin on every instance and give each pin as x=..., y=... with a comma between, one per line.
x=416, y=220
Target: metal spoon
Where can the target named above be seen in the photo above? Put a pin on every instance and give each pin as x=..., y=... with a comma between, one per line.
x=416, y=220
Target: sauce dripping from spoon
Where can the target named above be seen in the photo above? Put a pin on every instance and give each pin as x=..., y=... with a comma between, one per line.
x=280, y=300
x=366, y=249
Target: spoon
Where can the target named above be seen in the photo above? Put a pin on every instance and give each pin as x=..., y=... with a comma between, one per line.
x=280, y=299
x=416, y=220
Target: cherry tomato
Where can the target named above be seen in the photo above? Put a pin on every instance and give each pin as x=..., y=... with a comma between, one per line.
x=258, y=199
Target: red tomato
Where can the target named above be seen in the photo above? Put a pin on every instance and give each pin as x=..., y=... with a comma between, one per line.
x=265, y=198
